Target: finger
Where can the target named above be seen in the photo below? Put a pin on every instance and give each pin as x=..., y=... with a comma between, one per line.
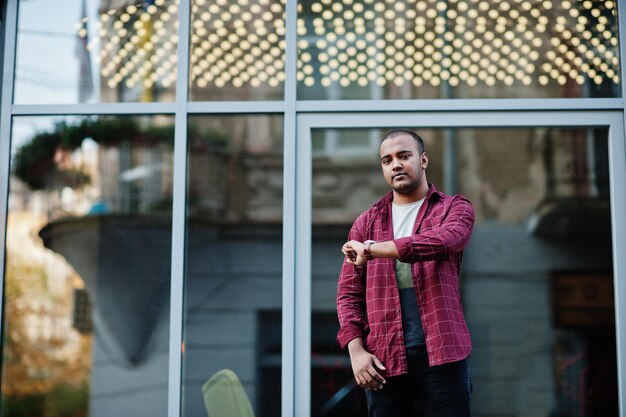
x=379, y=364
x=363, y=380
x=378, y=378
x=366, y=381
x=372, y=384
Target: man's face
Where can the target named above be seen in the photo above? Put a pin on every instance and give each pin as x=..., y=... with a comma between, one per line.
x=402, y=163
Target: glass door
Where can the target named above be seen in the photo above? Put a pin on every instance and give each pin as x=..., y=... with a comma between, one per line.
x=538, y=280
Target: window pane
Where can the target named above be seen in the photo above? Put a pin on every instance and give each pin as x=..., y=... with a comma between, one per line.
x=233, y=287
x=86, y=313
x=412, y=49
x=237, y=50
x=115, y=51
x=536, y=279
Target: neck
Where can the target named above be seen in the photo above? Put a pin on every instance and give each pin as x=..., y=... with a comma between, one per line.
x=416, y=195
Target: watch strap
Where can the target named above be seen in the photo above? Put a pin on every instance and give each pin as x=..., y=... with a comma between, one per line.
x=366, y=249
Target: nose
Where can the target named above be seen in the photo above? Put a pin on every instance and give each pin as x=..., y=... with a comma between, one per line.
x=396, y=164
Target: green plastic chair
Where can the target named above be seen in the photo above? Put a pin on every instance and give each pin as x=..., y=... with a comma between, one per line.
x=224, y=396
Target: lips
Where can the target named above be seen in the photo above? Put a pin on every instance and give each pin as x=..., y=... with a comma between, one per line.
x=398, y=174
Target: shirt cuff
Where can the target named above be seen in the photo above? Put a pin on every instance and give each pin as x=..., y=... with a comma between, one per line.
x=346, y=337
x=403, y=245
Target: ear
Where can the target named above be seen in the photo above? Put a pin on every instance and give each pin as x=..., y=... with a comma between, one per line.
x=424, y=159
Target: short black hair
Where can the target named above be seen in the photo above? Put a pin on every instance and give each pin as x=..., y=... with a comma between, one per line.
x=399, y=132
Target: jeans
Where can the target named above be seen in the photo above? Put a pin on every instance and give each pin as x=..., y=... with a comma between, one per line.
x=438, y=391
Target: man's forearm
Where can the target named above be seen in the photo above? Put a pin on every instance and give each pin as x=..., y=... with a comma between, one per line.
x=386, y=249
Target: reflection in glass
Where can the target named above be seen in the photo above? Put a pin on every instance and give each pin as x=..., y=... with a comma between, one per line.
x=457, y=49
x=233, y=290
x=86, y=316
x=96, y=51
x=120, y=51
x=237, y=50
x=536, y=279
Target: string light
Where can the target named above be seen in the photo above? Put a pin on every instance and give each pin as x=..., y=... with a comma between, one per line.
x=458, y=42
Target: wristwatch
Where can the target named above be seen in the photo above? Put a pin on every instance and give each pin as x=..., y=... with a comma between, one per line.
x=366, y=249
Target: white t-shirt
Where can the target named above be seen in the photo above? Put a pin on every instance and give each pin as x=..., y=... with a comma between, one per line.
x=403, y=216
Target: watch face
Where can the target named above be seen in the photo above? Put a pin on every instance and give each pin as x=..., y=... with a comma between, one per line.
x=366, y=248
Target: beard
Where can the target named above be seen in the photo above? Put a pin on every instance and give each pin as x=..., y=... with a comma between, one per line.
x=406, y=187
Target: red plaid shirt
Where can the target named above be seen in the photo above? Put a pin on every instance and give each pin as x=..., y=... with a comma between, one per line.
x=368, y=301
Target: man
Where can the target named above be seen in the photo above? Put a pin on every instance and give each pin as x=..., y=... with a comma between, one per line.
x=398, y=298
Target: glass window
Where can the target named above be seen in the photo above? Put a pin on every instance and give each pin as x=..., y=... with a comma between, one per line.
x=87, y=283
x=96, y=51
x=237, y=50
x=233, y=286
x=536, y=279
x=411, y=49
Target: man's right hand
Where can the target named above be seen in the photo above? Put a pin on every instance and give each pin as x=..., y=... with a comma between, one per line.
x=365, y=366
x=354, y=252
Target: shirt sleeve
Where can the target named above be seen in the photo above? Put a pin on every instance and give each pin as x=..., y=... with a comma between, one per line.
x=439, y=242
x=351, y=294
